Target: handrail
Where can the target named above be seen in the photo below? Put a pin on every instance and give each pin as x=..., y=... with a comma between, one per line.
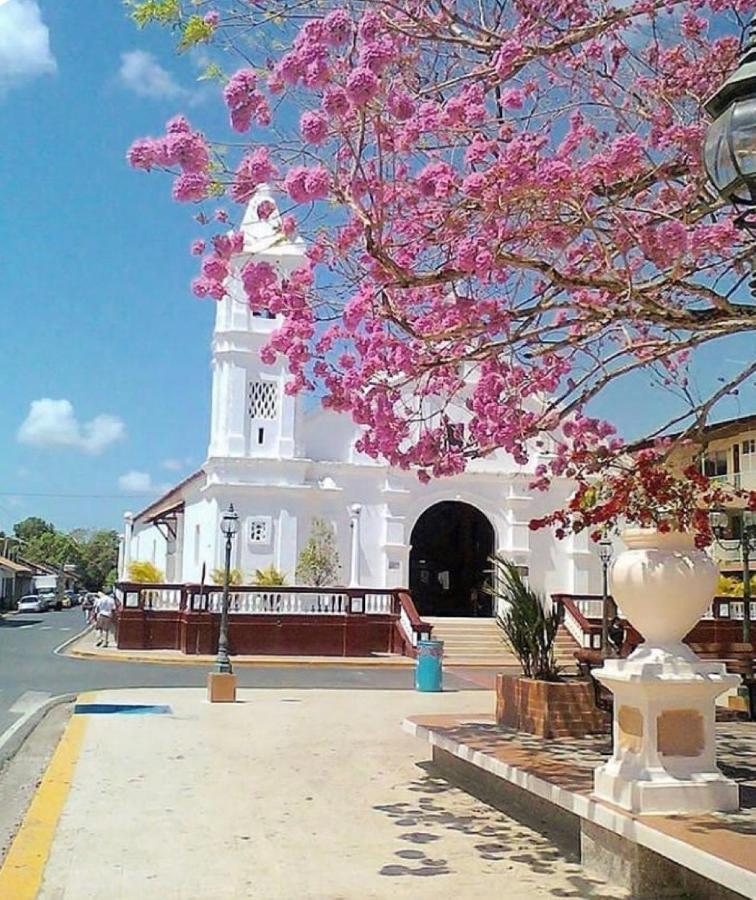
x=412, y=626
x=586, y=633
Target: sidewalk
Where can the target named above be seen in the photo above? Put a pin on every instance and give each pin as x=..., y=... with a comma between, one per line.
x=313, y=795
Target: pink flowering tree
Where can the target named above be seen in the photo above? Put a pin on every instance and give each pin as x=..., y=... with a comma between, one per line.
x=506, y=211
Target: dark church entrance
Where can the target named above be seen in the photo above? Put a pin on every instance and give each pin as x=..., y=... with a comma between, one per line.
x=451, y=544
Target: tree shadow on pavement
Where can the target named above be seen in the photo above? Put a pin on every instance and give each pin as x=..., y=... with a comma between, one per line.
x=441, y=808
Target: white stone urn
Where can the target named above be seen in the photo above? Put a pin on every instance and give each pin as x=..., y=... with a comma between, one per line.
x=664, y=584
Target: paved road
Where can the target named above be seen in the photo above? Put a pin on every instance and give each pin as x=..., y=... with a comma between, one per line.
x=30, y=671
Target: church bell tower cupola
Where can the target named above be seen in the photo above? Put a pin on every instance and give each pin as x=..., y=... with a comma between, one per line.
x=252, y=416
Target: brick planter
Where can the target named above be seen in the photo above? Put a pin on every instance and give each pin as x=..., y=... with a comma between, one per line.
x=548, y=709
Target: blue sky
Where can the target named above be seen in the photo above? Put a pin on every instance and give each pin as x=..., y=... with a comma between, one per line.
x=101, y=340
x=95, y=267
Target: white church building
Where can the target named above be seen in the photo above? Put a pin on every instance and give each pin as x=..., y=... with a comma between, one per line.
x=283, y=466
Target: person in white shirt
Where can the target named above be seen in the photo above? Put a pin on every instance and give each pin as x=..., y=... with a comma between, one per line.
x=104, y=608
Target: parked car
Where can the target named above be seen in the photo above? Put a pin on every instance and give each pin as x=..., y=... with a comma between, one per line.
x=52, y=600
x=70, y=598
x=32, y=603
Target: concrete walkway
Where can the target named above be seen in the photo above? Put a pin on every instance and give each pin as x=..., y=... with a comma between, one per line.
x=285, y=794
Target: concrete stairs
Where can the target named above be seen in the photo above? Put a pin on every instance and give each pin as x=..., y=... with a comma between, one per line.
x=478, y=642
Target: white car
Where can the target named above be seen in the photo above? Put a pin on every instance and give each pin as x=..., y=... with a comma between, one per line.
x=32, y=603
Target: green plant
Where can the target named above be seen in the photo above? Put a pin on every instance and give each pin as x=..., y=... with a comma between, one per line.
x=733, y=587
x=318, y=563
x=529, y=629
x=235, y=576
x=144, y=572
x=269, y=577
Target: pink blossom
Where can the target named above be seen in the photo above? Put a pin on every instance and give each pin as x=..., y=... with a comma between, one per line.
x=303, y=184
x=178, y=125
x=220, y=215
x=190, y=186
x=265, y=210
x=208, y=287
x=211, y=18
x=401, y=105
x=318, y=182
x=257, y=278
x=335, y=101
x=289, y=225
x=313, y=127
x=141, y=154
x=337, y=27
x=198, y=248
x=214, y=267
x=361, y=86
x=254, y=169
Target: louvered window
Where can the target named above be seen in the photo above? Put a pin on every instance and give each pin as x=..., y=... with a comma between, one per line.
x=262, y=399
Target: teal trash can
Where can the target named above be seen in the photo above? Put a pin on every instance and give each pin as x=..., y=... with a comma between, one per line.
x=429, y=668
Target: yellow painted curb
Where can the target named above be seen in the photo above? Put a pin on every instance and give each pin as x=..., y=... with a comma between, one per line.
x=24, y=866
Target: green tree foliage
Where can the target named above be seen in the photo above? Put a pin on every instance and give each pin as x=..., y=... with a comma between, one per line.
x=318, y=563
x=98, y=559
x=269, y=577
x=94, y=554
x=144, y=572
x=32, y=527
x=529, y=629
x=235, y=576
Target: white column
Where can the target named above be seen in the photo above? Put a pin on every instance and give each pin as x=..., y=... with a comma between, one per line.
x=354, y=524
x=128, y=533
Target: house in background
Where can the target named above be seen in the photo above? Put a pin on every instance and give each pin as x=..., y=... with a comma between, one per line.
x=726, y=453
x=15, y=581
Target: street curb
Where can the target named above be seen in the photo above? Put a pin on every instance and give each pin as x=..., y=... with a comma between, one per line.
x=59, y=650
x=277, y=662
x=13, y=738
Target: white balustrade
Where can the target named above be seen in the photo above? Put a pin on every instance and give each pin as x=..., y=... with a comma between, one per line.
x=379, y=604
x=161, y=598
x=281, y=603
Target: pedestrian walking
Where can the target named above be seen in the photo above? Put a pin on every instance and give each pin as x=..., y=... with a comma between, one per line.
x=87, y=606
x=105, y=607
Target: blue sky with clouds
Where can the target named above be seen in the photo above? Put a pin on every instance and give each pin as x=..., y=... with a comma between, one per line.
x=103, y=350
x=104, y=353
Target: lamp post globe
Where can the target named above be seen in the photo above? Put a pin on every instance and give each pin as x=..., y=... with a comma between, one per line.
x=229, y=525
x=730, y=145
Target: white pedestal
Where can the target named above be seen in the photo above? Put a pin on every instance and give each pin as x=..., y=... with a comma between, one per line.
x=664, y=758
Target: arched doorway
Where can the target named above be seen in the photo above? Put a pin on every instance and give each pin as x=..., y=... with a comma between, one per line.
x=451, y=544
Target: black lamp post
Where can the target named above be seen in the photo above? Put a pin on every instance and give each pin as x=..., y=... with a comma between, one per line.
x=605, y=555
x=229, y=526
x=730, y=146
x=747, y=545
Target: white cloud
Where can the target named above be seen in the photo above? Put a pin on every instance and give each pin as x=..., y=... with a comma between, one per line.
x=141, y=73
x=53, y=423
x=135, y=482
x=24, y=43
x=176, y=465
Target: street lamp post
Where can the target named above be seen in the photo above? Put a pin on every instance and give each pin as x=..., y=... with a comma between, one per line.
x=605, y=555
x=229, y=526
x=747, y=545
x=730, y=146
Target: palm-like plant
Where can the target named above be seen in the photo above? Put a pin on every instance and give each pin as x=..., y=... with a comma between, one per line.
x=529, y=629
x=269, y=577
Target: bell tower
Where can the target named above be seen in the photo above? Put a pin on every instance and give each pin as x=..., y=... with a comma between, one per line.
x=252, y=416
